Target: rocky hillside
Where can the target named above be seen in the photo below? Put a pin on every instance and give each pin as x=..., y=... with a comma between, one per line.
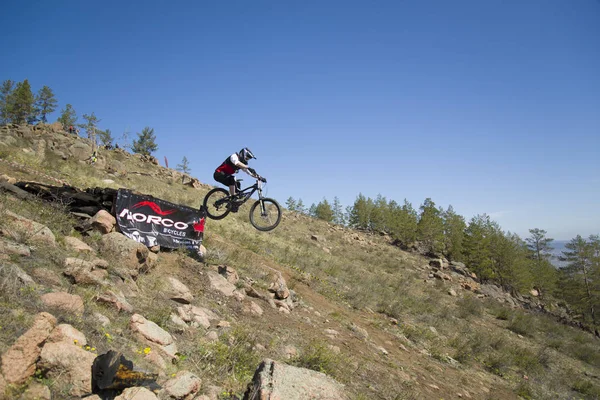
x=309, y=310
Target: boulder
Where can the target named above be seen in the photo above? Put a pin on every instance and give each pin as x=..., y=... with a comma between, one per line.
x=279, y=287
x=12, y=248
x=19, y=227
x=274, y=380
x=152, y=333
x=86, y=272
x=69, y=365
x=62, y=301
x=103, y=222
x=117, y=300
x=46, y=276
x=136, y=393
x=229, y=273
x=77, y=245
x=18, y=362
x=184, y=385
x=80, y=151
x=219, y=283
x=12, y=273
x=177, y=291
x=66, y=333
x=133, y=255
x=36, y=391
x=196, y=316
x=252, y=308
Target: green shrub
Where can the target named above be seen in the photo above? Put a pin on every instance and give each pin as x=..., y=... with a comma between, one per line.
x=318, y=357
x=522, y=324
x=586, y=388
x=469, y=306
x=497, y=363
x=232, y=356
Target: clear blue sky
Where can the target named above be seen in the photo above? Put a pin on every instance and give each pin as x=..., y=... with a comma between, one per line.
x=489, y=106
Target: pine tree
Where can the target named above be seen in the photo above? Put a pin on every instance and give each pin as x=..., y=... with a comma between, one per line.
x=90, y=126
x=582, y=271
x=324, y=211
x=430, y=228
x=454, y=233
x=379, y=214
x=105, y=136
x=543, y=271
x=479, y=236
x=300, y=207
x=68, y=117
x=338, y=212
x=359, y=216
x=291, y=204
x=146, y=142
x=184, y=166
x=45, y=103
x=21, y=101
x=6, y=91
x=312, y=210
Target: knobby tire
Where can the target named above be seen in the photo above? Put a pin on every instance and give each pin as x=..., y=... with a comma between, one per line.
x=211, y=197
x=273, y=216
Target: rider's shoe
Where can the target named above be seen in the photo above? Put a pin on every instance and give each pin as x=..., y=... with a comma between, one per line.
x=234, y=207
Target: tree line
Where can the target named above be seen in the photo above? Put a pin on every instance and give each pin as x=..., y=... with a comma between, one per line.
x=19, y=105
x=494, y=255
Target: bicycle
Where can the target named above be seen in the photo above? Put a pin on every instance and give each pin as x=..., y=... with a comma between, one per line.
x=265, y=213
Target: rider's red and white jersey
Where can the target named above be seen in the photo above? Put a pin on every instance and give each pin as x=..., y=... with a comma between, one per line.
x=229, y=165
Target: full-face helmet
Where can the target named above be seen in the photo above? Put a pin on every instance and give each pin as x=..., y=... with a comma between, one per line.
x=245, y=154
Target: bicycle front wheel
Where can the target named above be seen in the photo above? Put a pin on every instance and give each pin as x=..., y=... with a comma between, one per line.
x=216, y=203
x=265, y=214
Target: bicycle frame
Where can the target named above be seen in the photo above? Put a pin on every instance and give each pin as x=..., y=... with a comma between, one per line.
x=245, y=193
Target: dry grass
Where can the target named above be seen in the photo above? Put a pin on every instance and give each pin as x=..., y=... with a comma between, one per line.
x=341, y=274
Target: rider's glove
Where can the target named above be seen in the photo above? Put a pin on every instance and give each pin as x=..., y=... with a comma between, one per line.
x=252, y=171
x=263, y=179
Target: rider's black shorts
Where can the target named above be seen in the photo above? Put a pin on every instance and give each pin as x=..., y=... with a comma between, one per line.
x=224, y=178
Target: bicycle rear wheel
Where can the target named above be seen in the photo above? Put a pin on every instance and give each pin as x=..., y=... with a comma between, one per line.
x=265, y=214
x=216, y=203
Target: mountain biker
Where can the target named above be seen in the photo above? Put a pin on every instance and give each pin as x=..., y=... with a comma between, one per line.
x=232, y=164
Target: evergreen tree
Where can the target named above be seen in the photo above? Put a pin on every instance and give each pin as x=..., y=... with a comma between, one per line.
x=105, y=136
x=543, y=272
x=379, y=214
x=324, y=211
x=518, y=271
x=68, y=117
x=312, y=210
x=45, y=103
x=90, y=126
x=581, y=274
x=454, y=233
x=146, y=142
x=291, y=204
x=402, y=222
x=184, y=166
x=300, y=207
x=359, y=214
x=21, y=100
x=479, y=236
x=430, y=228
x=6, y=91
x=539, y=244
x=338, y=212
